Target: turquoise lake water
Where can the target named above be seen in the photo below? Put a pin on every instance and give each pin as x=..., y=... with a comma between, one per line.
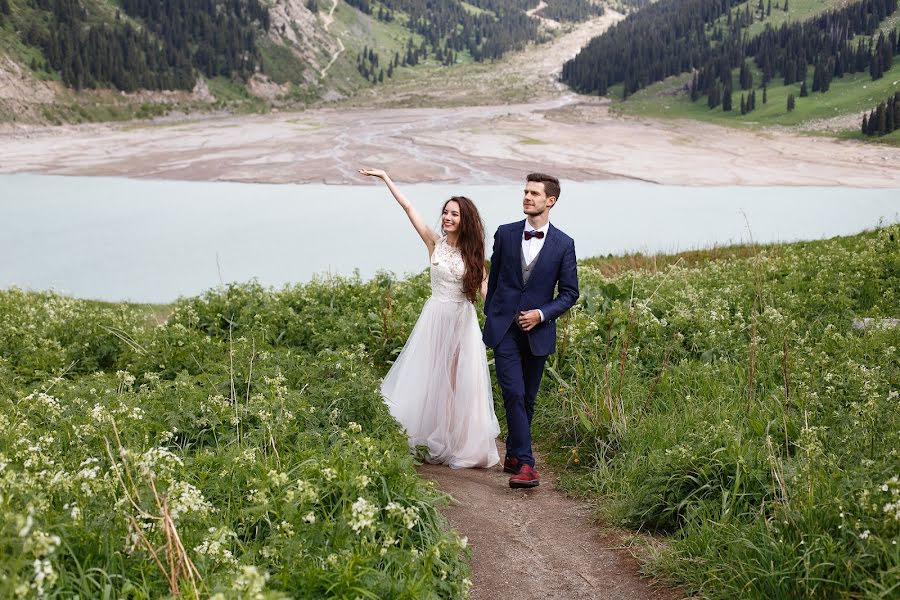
x=152, y=241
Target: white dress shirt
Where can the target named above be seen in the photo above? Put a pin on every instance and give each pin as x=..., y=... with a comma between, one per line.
x=530, y=248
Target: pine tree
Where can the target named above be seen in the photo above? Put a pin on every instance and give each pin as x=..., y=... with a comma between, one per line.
x=765, y=94
x=726, y=98
x=785, y=5
x=865, y=124
x=877, y=59
x=897, y=111
x=743, y=105
x=746, y=76
x=803, y=91
x=715, y=96
x=769, y=9
x=790, y=102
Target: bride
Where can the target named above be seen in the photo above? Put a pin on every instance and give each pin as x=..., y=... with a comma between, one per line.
x=439, y=388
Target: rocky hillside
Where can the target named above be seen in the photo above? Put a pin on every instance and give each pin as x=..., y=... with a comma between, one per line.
x=91, y=60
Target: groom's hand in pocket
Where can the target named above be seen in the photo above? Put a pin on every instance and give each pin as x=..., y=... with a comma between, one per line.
x=529, y=319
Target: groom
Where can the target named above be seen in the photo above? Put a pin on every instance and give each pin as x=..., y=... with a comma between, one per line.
x=530, y=259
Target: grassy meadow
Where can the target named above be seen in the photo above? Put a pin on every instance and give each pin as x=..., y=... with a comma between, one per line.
x=234, y=445
x=240, y=450
x=725, y=400
x=852, y=94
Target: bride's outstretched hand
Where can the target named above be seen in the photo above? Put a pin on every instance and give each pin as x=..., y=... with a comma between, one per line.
x=373, y=173
x=428, y=236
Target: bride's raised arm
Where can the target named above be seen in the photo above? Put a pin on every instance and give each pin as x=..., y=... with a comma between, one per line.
x=428, y=235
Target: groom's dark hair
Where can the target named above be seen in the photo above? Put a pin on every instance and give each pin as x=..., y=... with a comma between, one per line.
x=551, y=183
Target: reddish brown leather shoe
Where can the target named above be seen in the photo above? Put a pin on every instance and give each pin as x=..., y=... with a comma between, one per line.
x=511, y=465
x=527, y=477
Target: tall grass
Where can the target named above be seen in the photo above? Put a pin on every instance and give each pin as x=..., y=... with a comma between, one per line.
x=240, y=450
x=730, y=405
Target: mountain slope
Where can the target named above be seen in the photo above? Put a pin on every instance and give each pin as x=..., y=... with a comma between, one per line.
x=75, y=60
x=812, y=64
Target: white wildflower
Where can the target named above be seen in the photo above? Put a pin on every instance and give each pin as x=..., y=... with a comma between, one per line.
x=158, y=462
x=278, y=478
x=48, y=402
x=363, y=515
x=185, y=498
x=251, y=581
x=44, y=576
x=216, y=546
x=409, y=515
x=26, y=524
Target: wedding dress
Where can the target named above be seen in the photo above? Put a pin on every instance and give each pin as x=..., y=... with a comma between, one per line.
x=439, y=388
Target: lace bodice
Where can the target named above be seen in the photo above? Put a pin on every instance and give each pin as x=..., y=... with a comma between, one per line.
x=447, y=270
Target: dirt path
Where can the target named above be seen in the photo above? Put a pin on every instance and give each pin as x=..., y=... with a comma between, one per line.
x=537, y=543
x=329, y=19
x=545, y=22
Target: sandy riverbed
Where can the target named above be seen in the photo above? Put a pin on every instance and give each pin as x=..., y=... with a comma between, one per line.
x=550, y=129
x=571, y=137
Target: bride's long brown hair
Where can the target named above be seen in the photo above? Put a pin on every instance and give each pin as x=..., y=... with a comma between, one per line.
x=470, y=244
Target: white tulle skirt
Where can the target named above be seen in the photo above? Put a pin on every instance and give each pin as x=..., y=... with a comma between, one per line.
x=439, y=388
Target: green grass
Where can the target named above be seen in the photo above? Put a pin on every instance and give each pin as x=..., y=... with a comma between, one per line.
x=720, y=398
x=234, y=96
x=280, y=63
x=723, y=399
x=798, y=10
x=891, y=139
x=361, y=31
x=852, y=94
x=474, y=10
x=83, y=110
x=247, y=420
x=10, y=44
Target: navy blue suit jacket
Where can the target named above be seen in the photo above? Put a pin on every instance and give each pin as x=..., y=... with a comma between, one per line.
x=507, y=294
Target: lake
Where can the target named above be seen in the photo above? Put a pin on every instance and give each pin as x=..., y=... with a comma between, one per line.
x=152, y=241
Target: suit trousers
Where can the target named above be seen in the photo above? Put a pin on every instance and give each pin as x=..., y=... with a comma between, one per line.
x=519, y=373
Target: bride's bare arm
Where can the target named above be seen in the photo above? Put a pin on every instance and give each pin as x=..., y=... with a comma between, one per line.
x=484, y=282
x=427, y=234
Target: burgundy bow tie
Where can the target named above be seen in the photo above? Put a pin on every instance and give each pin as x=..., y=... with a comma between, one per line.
x=534, y=234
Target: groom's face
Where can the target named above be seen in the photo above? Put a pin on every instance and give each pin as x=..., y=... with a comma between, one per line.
x=536, y=201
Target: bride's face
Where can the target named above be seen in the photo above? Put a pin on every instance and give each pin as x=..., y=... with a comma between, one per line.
x=450, y=217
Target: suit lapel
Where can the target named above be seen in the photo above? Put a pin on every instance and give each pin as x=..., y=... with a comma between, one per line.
x=515, y=238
